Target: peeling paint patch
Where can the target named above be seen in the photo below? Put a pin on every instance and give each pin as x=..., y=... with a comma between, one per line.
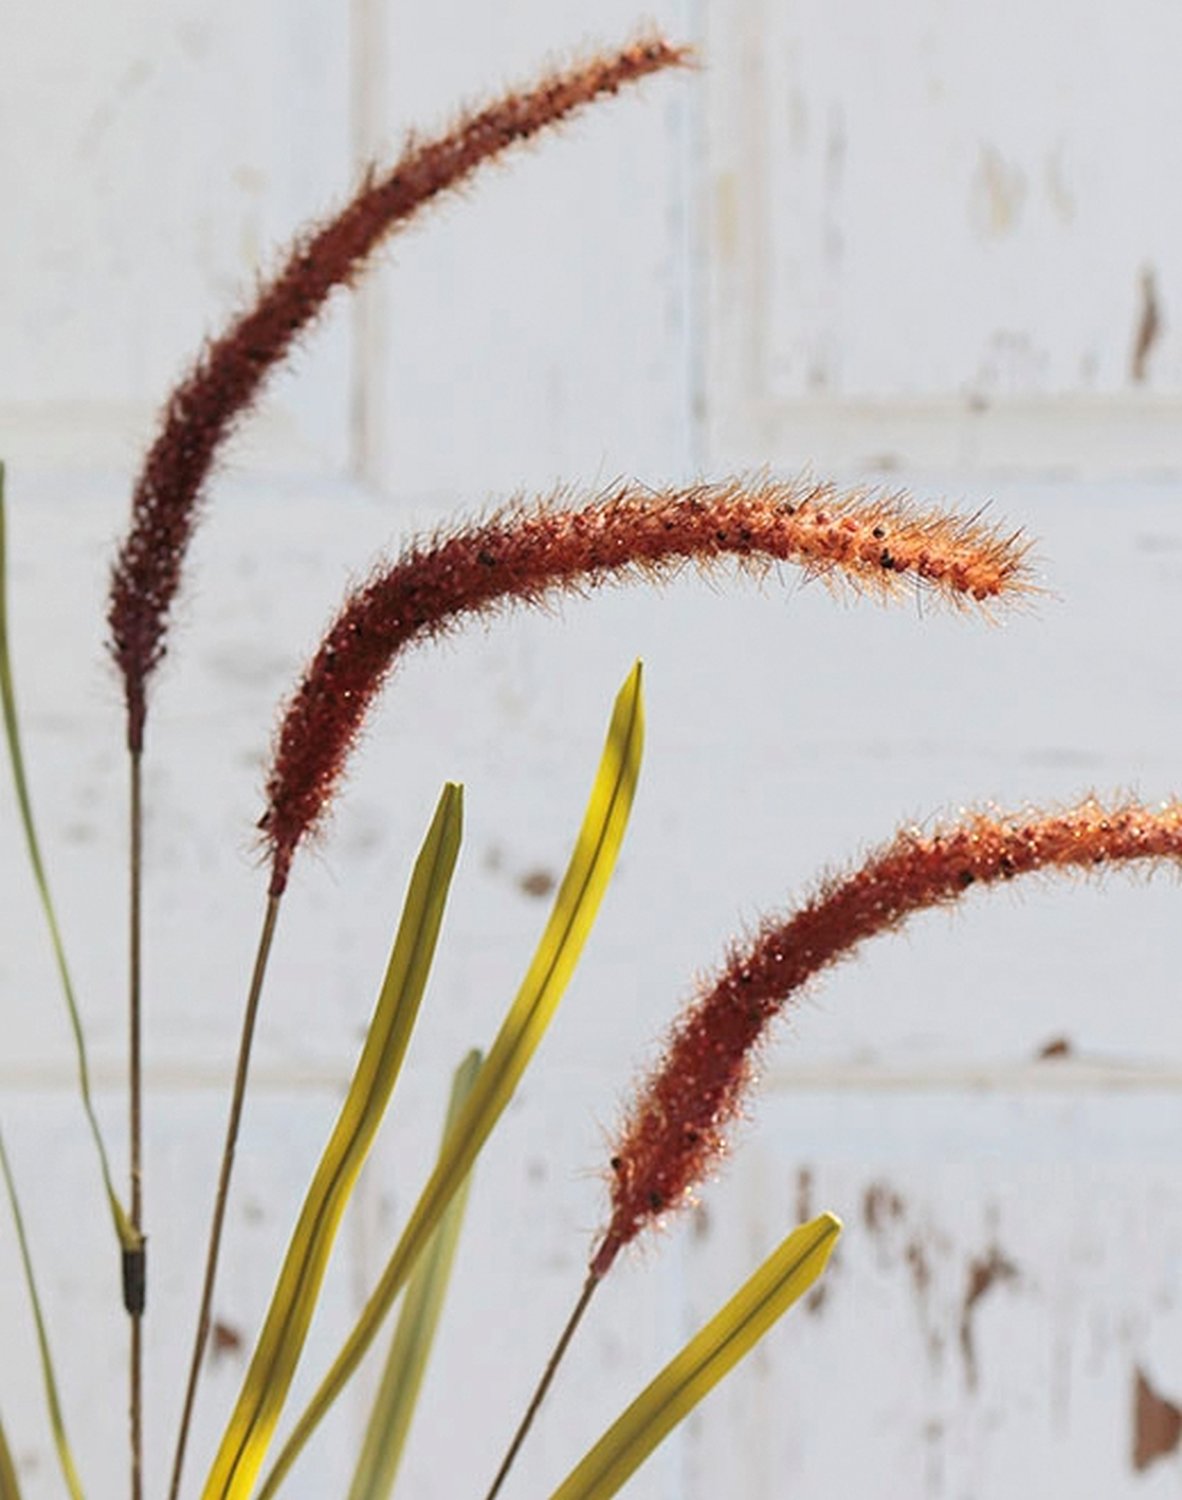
x=1059, y=193
x=798, y=120
x=133, y=80
x=984, y=1274
x=835, y=148
x=904, y=1244
x=815, y=1301
x=726, y=217
x=536, y=883
x=249, y=179
x=226, y=1339
x=1157, y=1423
x=1058, y=1046
x=804, y=1195
x=934, y=1432
x=917, y=1264
x=920, y=1267
x=997, y=195
x=881, y=1205
x=1148, y=326
x=1158, y=542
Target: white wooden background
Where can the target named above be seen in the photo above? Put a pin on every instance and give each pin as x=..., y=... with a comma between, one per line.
x=927, y=244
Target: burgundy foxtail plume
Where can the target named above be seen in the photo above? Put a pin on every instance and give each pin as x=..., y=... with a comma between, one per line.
x=228, y=376
x=877, y=544
x=676, y=1130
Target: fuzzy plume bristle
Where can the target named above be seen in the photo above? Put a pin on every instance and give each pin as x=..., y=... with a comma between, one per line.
x=530, y=555
x=228, y=377
x=676, y=1132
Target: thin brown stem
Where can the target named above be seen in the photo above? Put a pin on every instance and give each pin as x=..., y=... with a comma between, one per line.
x=135, y=1276
x=223, y=1192
x=544, y=1383
x=137, y=1407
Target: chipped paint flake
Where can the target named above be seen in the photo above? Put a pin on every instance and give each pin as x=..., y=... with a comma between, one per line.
x=985, y=1273
x=881, y=1205
x=1157, y=1423
x=997, y=195
x=1148, y=326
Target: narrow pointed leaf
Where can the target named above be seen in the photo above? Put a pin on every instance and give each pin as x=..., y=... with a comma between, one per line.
x=128, y=1237
x=406, y=1364
x=49, y=1380
x=10, y=1488
x=571, y=919
x=293, y=1302
x=784, y=1277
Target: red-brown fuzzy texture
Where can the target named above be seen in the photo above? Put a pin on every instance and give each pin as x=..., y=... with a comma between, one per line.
x=525, y=556
x=676, y=1131
x=228, y=376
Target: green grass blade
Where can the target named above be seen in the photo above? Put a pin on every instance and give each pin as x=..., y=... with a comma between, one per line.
x=10, y=1488
x=571, y=919
x=272, y=1366
x=52, y=1399
x=128, y=1238
x=784, y=1277
x=406, y=1364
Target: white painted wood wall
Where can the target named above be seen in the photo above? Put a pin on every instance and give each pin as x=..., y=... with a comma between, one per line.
x=927, y=244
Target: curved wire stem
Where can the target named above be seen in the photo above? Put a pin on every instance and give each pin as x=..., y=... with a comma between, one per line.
x=135, y=1292
x=544, y=1383
x=223, y=1191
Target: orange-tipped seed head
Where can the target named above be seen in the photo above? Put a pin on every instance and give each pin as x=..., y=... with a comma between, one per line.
x=676, y=1132
x=882, y=546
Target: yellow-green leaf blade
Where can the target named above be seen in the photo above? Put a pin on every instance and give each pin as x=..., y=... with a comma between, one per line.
x=571, y=919
x=10, y=1488
x=406, y=1364
x=268, y=1378
x=53, y=1402
x=128, y=1238
x=783, y=1278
